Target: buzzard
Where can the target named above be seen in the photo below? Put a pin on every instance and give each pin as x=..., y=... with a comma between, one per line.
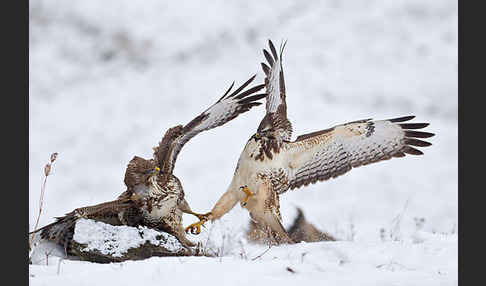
x=154, y=196
x=272, y=164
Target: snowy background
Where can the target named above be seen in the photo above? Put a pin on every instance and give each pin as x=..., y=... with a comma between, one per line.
x=108, y=78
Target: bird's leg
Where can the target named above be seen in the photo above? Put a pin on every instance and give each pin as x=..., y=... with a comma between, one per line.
x=269, y=217
x=227, y=201
x=248, y=193
x=195, y=228
x=200, y=216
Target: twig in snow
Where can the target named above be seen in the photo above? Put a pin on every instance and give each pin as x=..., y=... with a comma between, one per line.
x=269, y=246
x=221, y=252
x=382, y=234
x=59, y=265
x=47, y=172
x=398, y=219
x=290, y=270
x=302, y=257
x=243, y=251
x=351, y=230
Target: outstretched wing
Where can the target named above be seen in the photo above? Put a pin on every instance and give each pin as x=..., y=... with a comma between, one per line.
x=62, y=230
x=275, y=89
x=165, y=148
x=329, y=153
x=228, y=107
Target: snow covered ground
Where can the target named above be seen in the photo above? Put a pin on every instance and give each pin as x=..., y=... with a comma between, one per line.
x=107, y=78
x=325, y=263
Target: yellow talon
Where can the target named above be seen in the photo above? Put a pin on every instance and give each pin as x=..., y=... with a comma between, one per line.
x=195, y=228
x=203, y=217
x=248, y=193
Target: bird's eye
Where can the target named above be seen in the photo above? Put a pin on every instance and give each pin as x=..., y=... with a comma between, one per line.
x=257, y=136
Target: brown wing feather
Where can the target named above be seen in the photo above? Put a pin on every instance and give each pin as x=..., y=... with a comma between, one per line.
x=332, y=152
x=104, y=210
x=228, y=107
x=62, y=230
x=163, y=152
x=276, y=105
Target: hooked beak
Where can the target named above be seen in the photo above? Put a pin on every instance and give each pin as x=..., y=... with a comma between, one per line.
x=257, y=135
x=155, y=171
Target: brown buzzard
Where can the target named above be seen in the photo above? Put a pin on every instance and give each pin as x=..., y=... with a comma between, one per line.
x=271, y=163
x=154, y=196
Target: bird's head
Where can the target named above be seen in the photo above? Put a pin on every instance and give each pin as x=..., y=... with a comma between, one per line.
x=150, y=175
x=265, y=130
x=265, y=134
x=153, y=172
x=139, y=171
x=259, y=135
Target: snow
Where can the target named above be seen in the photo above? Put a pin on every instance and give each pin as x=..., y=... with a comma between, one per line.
x=108, y=78
x=117, y=240
x=45, y=252
x=328, y=263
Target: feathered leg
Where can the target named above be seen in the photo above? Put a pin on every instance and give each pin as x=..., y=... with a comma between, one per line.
x=227, y=201
x=185, y=208
x=172, y=224
x=264, y=208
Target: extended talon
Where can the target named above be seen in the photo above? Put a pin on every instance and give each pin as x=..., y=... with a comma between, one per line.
x=248, y=193
x=203, y=217
x=195, y=228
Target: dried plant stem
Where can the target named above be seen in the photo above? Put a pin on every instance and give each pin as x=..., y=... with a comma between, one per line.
x=269, y=246
x=395, y=230
x=59, y=265
x=41, y=202
x=47, y=171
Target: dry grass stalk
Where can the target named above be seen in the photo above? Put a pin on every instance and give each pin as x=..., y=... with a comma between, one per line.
x=47, y=172
x=259, y=256
x=395, y=229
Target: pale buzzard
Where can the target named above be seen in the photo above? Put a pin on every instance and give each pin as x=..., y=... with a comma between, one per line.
x=271, y=164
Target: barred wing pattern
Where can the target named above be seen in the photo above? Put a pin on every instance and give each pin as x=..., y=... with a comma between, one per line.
x=228, y=107
x=329, y=153
x=276, y=105
x=165, y=148
x=62, y=229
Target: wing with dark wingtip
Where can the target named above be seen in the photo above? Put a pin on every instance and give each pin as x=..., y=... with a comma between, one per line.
x=275, y=89
x=228, y=107
x=329, y=153
x=62, y=230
